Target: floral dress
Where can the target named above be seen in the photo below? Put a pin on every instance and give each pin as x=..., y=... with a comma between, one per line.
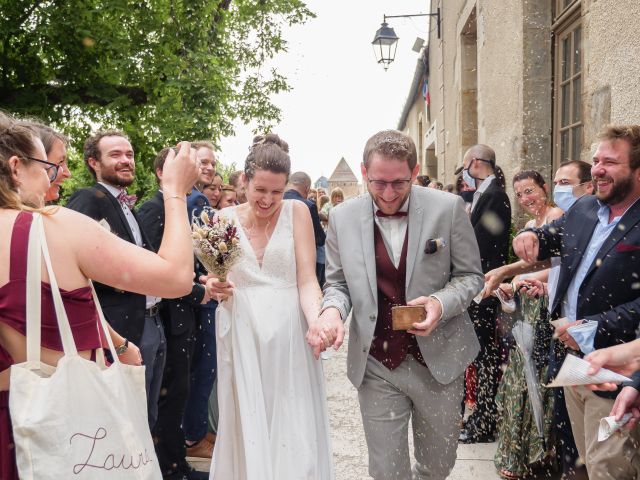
x=521, y=450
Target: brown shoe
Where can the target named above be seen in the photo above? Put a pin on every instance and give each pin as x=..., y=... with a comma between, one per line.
x=201, y=449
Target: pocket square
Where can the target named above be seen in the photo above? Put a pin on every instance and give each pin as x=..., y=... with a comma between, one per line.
x=627, y=247
x=433, y=245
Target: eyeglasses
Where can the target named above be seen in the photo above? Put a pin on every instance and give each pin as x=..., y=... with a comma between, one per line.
x=396, y=185
x=51, y=168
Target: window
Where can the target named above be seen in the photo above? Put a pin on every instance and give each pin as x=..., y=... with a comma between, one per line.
x=568, y=131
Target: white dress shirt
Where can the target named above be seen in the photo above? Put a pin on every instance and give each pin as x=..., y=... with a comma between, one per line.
x=135, y=229
x=393, y=231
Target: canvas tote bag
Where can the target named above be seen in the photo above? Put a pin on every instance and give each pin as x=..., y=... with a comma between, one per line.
x=79, y=420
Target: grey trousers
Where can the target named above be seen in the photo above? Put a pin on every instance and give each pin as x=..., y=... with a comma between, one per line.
x=388, y=400
x=153, y=348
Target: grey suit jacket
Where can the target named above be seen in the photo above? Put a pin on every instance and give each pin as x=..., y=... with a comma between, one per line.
x=452, y=274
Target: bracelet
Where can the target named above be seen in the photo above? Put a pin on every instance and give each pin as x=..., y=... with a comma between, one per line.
x=122, y=348
x=179, y=197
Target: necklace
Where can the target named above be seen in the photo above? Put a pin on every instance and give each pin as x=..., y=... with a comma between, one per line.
x=252, y=231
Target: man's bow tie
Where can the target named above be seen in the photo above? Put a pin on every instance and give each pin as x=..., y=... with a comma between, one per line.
x=381, y=214
x=128, y=200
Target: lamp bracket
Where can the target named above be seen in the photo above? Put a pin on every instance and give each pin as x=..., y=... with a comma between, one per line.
x=437, y=15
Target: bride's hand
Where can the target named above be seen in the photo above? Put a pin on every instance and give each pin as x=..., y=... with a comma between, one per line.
x=219, y=290
x=328, y=330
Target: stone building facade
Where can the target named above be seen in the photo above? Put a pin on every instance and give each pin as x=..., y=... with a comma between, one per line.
x=536, y=80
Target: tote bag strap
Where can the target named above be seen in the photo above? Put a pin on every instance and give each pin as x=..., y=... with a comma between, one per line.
x=105, y=328
x=34, y=291
x=68, y=343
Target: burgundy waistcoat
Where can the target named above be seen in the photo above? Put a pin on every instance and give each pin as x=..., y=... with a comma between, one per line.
x=390, y=347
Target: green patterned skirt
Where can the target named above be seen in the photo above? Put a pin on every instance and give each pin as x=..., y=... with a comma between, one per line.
x=521, y=449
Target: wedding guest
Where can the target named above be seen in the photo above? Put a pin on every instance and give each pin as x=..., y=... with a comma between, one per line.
x=236, y=181
x=572, y=180
x=380, y=253
x=206, y=159
x=422, y=180
x=110, y=159
x=435, y=184
x=450, y=188
x=491, y=219
x=273, y=412
x=299, y=186
x=595, y=240
x=55, y=144
x=228, y=197
x=337, y=197
x=313, y=195
x=179, y=321
x=213, y=190
x=204, y=363
x=322, y=201
x=80, y=249
x=521, y=447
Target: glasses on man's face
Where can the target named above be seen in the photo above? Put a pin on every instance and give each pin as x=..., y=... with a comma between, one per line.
x=396, y=185
x=51, y=168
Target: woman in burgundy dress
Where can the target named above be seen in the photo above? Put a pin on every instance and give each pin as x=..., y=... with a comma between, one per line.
x=80, y=249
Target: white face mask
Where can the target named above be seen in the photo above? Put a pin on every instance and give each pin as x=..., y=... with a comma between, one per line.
x=563, y=197
x=468, y=179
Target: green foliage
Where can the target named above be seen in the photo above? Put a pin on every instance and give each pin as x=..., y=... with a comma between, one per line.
x=226, y=170
x=160, y=70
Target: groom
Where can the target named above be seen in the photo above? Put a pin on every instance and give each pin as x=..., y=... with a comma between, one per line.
x=410, y=246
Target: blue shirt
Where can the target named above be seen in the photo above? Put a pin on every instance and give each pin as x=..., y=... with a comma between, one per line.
x=570, y=304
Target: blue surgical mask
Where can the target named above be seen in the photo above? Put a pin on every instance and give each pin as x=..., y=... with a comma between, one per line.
x=563, y=197
x=468, y=179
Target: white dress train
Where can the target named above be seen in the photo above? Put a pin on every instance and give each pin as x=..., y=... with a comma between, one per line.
x=273, y=414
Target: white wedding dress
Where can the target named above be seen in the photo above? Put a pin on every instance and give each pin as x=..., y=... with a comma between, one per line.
x=273, y=414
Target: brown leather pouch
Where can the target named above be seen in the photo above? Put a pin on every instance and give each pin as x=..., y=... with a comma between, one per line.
x=403, y=316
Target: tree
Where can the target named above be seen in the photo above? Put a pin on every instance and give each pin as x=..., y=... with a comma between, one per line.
x=161, y=70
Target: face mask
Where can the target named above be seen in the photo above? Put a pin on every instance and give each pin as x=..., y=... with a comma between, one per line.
x=563, y=197
x=467, y=196
x=468, y=179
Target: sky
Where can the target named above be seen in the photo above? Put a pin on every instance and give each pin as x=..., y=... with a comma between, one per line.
x=340, y=96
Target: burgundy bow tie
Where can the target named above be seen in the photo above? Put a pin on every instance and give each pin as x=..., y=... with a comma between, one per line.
x=128, y=200
x=380, y=213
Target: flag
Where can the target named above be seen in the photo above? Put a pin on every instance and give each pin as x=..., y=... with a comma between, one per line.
x=425, y=93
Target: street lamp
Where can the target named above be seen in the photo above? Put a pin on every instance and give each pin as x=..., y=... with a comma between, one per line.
x=385, y=41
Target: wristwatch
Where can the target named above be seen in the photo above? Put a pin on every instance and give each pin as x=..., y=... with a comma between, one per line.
x=122, y=348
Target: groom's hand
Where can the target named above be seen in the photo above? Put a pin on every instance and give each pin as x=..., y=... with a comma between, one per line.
x=327, y=331
x=434, y=313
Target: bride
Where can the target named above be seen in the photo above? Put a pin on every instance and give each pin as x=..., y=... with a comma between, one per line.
x=273, y=413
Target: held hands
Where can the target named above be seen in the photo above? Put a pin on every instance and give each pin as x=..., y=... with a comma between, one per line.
x=564, y=336
x=217, y=289
x=327, y=331
x=526, y=246
x=434, y=314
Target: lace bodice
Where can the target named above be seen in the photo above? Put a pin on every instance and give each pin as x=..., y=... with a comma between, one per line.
x=278, y=261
